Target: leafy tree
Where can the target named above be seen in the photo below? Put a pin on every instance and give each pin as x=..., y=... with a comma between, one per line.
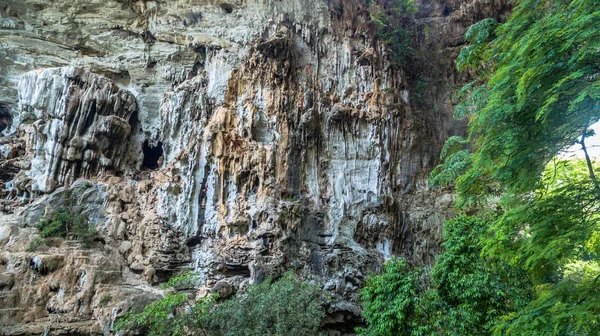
x=537, y=92
x=390, y=300
x=175, y=314
x=552, y=233
x=288, y=306
x=552, y=226
x=474, y=291
x=393, y=28
x=466, y=295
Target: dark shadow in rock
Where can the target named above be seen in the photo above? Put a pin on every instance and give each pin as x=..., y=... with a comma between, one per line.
x=228, y=8
x=5, y=118
x=152, y=155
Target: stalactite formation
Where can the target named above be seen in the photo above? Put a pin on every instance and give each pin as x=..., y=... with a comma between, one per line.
x=236, y=139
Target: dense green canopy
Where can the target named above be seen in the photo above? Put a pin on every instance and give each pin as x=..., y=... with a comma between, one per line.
x=527, y=261
x=540, y=90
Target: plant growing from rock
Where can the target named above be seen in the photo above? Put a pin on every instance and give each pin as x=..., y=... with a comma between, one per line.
x=105, y=299
x=393, y=28
x=65, y=222
x=37, y=242
x=288, y=306
x=174, y=314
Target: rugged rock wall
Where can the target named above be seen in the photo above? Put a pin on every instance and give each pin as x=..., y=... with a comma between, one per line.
x=238, y=139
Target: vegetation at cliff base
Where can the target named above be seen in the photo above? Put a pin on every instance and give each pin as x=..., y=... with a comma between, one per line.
x=287, y=306
x=464, y=295
x=526, y=258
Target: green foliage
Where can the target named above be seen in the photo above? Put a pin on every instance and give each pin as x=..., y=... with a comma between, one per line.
x=539, y=230
x=105, y=299
x=63, y=222
x=477, y=53
x=553, y=234
x=456, y=160
x=467, y=293
x=37, y=242
x=392, y=28
x=474, y=291
x=184, y=280
x=172, y=315
x=471, y=98
x=285, y=307
x=390, y=300
x=541, y=90
x=568, y=308
x=537, y=91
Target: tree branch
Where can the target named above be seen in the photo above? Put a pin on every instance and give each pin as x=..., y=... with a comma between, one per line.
x=587, y=158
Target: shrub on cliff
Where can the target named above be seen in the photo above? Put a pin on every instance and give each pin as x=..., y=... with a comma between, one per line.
x=65, y=222
x=175, y=314
x=465, y=294
x=288, y=306
x=393, y=28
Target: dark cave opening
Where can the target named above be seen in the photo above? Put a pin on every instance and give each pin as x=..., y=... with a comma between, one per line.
x=228, y=8
x=193, y=241
x=5, y=118
x=152, y=155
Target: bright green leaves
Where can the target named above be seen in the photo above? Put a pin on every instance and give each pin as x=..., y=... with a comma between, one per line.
x=477, y=52
x=392, y=27
x=456, y=161
x=172, y=315
x=288, y=306
x=476, y=290
x=177, y=313
x=466, y=294
x=389, y=300
x=471, y=98
x=543, y=87
x=185, y=280
x=538, y=90
x=568, y=308
x=556, y=225
x=285, y=307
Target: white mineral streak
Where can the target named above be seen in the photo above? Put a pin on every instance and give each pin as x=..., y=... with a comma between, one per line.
x=78, y=125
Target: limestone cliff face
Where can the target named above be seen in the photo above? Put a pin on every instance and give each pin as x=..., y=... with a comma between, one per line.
x=239, y=139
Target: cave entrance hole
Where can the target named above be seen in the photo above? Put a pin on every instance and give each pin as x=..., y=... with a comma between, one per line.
x=152, y=155
x=228, y=8
x=5, y=118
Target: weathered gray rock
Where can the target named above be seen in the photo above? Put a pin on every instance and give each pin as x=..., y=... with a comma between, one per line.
x=77, y=123
x=237, y=139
